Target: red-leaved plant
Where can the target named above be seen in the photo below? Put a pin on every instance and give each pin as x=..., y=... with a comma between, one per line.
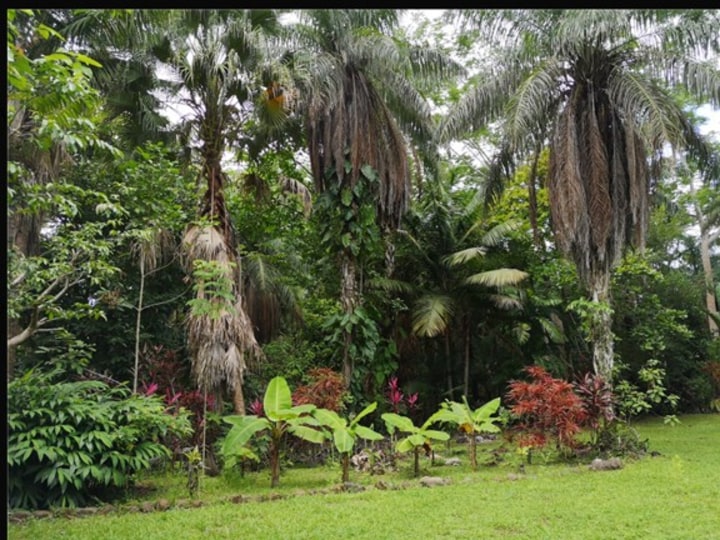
x=399, y=402
x=326, y=390
x=547, y=409
x=597, y=398
x=163, y=372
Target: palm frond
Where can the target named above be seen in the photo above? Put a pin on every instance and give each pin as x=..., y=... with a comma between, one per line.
x=531, y=104
x=482, y=104
x=553, y=328
x=499, y=277
x=431, y=315
x=506, y=302
x=465, y=255
x=390, y=285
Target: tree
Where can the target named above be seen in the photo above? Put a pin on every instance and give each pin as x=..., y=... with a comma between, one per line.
x=706, y=210
x=358, y=100
x=594, y=77
x=217, y=61
x=454, y=290
x=53, y=115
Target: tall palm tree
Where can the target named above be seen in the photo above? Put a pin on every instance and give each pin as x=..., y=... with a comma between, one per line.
x=597, y=81
x=217, y=62
x=460, y=291
x=359, y=105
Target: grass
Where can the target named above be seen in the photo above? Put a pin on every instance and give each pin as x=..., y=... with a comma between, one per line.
x=675, y=495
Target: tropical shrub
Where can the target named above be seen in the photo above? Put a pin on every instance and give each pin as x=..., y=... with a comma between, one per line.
x=163, y=373
x=650, y=391
x=280, y=417
x=547, y=409
x=71, y=443
x=597, y=399
x=471, y=422
x=418, y=436
x=345, y=433
x=325, y=390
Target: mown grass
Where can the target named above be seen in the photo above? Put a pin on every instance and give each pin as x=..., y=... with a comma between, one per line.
x=675, y=495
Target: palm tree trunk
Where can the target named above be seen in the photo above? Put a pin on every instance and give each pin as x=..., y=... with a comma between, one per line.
x=710, y=302
x=448, y=365
x=239, y=399
x=349, y=301
x=532, y=200
x=601, y=326
x=466, y=380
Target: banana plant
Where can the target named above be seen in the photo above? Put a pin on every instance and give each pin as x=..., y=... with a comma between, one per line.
x=345, y=434
x=280, y=418
x=418, y=436
x=471, y=422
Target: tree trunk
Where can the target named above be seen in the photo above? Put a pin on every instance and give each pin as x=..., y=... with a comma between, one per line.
x=416, y=468
x=275, y=463
x=532, y=200
x=448, y=366
x=138, y=322
x=239, y=399
x=389, y=254
x=706, y=239
x=473, y=451
x=23, y=235
x=601, y=326
x=466, y=332
x=346, y=467
x=349, y=301
x=710, y=302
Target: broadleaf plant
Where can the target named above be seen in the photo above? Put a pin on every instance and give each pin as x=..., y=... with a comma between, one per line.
x=280, y=418
x=471, y=422
x=419, y=436
x=345, y=434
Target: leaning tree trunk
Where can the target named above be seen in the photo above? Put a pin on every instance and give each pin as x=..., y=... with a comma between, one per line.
x=601, y=326
x=705, y=241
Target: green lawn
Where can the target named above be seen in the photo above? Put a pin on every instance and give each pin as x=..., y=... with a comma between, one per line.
x=674, y=495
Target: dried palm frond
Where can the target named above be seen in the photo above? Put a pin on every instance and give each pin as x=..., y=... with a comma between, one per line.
x=295, y=187
x=205, y=243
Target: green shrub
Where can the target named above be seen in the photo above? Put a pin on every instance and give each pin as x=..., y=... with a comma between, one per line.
x=71, y=443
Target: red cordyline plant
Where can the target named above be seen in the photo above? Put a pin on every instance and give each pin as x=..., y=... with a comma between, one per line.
x=597, y=398
x=397, y=399
x=395, y=395
x=547, y=408
x=256, y=408
x=163, y=372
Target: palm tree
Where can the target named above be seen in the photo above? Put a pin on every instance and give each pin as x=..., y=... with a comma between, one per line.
x=455, y=286
x=217, y=62
x=359, y=104
x=597, y=82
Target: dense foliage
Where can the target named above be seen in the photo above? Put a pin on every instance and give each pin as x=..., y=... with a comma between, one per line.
x=73, y=443
x=202, y=201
